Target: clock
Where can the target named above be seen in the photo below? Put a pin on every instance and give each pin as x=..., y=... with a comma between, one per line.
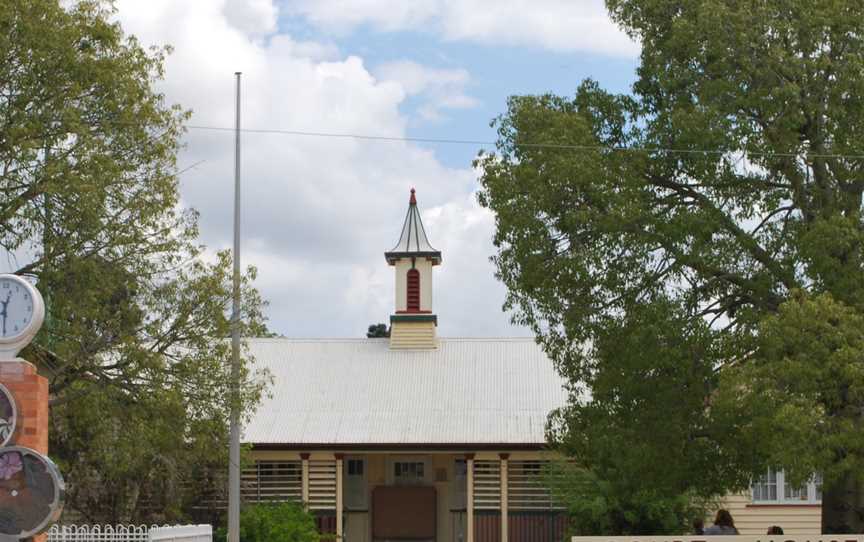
x=32, y=492
x=21, y=313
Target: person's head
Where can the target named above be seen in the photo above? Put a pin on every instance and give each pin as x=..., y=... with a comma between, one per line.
x=724, y=518
x=775, y=529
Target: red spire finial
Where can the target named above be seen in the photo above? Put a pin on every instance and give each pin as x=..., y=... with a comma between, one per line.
x=413, y=200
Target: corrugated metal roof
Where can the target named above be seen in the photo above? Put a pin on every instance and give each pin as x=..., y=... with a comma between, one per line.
x=413, y=240
x=358, y=391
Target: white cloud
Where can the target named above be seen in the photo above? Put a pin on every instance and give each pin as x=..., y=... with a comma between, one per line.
x=343, y=15
x=318, y=212
x=559, y=25
x=441, y=88
x=466, y=270
x=313, y=50
x=253, y=17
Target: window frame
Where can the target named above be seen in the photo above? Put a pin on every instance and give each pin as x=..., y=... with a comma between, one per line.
x=348, y=480
x=459, y=485
x=812, y=489
x=392, y=479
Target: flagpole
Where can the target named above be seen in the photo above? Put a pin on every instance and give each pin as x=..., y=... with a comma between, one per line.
x=234, y=436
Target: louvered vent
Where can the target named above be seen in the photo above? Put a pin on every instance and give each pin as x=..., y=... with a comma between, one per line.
x=487, y=485
x=413, y=304
x=526, y=486
x=322, y=485
x=272, y=481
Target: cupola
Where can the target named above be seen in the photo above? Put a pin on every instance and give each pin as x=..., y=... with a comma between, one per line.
x=412, y=326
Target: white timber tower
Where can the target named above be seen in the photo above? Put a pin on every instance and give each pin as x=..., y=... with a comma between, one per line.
x=412, y=326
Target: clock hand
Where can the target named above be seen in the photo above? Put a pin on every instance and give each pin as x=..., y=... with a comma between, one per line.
x=6, y=310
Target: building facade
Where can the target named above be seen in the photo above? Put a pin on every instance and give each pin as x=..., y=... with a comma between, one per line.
x=417, y=437
x=408, y=444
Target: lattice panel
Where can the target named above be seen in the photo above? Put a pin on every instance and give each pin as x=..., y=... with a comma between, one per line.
x=272, y=481
x=487, y=485
x=526, y=489
x=322, y=485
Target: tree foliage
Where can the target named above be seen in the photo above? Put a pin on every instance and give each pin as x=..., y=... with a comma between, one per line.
x=801, y=392
x=377, y=331
x=133, y=342
x=599, y=506
x=678, y=218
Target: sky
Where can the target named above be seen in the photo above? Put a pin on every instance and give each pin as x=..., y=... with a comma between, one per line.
x=318, y=213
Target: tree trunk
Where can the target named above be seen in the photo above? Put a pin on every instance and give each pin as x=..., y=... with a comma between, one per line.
x=129, y=502
x=843, y=506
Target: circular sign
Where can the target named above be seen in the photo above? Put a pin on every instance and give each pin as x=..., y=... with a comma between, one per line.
x=22, y=311
x=8, y=415
x=31, y=493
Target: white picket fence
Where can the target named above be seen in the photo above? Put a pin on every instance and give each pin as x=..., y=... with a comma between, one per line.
x=130, y=533
x=182, y=533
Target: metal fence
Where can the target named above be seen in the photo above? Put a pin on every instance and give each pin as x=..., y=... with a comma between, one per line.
x=100, y=533
x=130, y=533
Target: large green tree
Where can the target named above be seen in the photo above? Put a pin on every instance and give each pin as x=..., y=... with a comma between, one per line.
x=672, y=235
x=134, y=339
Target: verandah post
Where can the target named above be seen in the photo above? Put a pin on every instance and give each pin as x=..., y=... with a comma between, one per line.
x=469, y=505
x=339, y=526
x=304, y=483
x=504, y=458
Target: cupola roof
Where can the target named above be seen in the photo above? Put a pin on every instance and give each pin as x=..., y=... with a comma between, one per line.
x=413, y=242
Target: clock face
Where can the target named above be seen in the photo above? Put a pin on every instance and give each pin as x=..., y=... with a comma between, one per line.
x=31, y=493
x=16, y=308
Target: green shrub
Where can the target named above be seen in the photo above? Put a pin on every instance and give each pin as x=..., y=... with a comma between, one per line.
x=277, y=522
x=599, y=507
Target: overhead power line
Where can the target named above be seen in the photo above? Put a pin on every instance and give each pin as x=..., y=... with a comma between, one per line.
x=560, y=146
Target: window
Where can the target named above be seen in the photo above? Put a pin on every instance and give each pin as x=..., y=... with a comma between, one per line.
x=795, y=493
x=765, y=488
x=409, y=472
x=413, y=290
x=817, y=481
x=355, y=484
x=355, y=467
x=459, y=485
x=773, y=488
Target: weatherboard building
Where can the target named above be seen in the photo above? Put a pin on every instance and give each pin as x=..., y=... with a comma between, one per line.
x=418, y=437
